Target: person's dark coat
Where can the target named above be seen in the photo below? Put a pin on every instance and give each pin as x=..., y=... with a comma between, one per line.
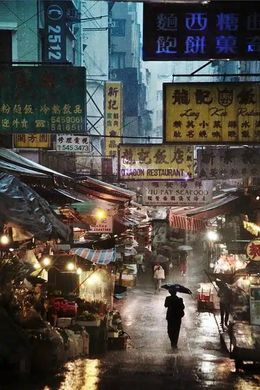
x=175, y=307
x=175, y=312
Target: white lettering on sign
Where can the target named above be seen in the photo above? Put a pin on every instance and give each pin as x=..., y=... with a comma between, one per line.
x=188, y=193
x=73, y=143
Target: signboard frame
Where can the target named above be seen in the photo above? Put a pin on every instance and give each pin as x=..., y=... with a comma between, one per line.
x=186, y=149
x=195, y=31
x=205, y=94
x=178, y=193
x=43, y=99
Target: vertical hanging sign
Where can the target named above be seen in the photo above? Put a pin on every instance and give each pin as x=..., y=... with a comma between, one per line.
x=113, y=117
x=55, y=32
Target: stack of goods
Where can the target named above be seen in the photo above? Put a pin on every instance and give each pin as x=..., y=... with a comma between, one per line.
x=117, y=338
x=229, y=263
x=207, y=299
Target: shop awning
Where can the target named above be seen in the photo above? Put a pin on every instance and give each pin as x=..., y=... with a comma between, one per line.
x=186, y=223
x=23, y=207
x=195, y=218
x=224, y=205
x=102, y=257
x=9, y=157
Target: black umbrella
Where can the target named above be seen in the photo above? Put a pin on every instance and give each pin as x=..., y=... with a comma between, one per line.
x=177, y=287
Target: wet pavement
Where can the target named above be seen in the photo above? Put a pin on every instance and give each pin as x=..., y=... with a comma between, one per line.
x=149, y=362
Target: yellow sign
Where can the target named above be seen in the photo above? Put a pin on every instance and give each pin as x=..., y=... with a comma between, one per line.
x=155, y=162
x=32, y=140
x=212, y=112
x=113, y=117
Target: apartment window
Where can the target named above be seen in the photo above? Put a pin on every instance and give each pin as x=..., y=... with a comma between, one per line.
x=118, y=27
x=117, y=60
x=5, y=46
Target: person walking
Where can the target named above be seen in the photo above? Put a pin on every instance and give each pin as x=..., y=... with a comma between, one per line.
x=175, y=312
x=225, y=300
x=158, y=275
x=183, y=263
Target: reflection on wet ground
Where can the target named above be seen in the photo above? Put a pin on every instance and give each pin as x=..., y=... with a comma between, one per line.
x=149, y=362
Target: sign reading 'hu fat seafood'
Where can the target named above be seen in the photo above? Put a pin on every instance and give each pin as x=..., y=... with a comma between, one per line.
x=155, y=162
x=191, y=193
x=203, y=113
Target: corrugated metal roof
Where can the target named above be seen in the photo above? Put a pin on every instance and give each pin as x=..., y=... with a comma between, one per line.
x=10, y=157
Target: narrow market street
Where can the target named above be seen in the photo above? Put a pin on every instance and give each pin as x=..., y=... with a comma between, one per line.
x=149, y=362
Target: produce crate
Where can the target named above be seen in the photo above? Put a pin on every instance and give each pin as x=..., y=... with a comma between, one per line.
x=117, y=343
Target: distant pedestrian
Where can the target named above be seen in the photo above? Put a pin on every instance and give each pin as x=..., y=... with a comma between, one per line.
x=225, y=300
x=183, y=263
x=158, y=275
x=175, y=312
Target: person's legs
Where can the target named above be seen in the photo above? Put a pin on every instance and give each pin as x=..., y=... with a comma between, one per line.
x=159, y=284
x=174, y=331
x=226, y=315
x=222, y=312
x=156, y=286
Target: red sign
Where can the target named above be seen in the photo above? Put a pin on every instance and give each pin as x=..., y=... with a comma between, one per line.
x=253, y=250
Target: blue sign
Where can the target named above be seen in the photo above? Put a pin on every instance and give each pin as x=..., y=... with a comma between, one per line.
x=199, y=32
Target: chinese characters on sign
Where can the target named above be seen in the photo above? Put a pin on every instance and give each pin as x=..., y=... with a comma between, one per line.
x=212, y=112
x=226, y=163
x=191, y=193
x=32, y=140
x=46, y=99
x=73, y=143
x=253, y=250
x=155, y=162
x=113, y=117
x=186, y=32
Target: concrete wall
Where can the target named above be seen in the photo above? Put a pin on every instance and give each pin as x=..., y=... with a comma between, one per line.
x=20, y=16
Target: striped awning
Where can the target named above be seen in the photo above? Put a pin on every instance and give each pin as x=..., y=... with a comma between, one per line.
x=186, y=223
x=104, y=256
x=196, y=218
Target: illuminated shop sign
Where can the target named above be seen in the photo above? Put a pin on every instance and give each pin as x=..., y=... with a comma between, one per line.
x=211, y=112
x=216, y=30
x=155, y=162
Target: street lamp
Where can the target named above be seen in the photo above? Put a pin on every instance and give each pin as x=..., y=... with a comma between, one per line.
x=212, y=236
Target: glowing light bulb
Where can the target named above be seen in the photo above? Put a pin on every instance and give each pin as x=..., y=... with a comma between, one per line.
x=46, y=261
x=100, y=214
x=70, y=266
x=79, y=271
x=4, y=239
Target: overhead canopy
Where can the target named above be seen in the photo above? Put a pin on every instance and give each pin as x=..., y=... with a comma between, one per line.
x=103, y=257
x=13, y=159
x=225, y=205
x=22, y=206
x=14, y=163
x=195, y=218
